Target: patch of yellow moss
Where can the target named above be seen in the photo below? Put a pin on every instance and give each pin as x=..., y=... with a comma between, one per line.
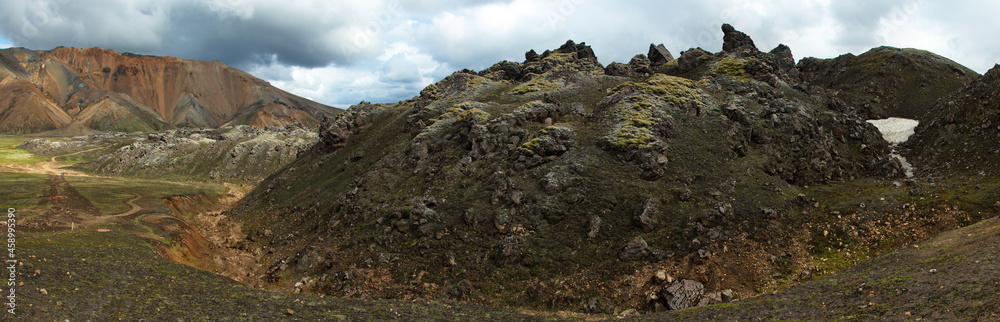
x=476, y=80
x=671, y=88
x=475, y=115
x=735, y=67
x=529, y=147
x=539, y=84
x=430, y=91
x=559, y=58
x=450, y=112
x=530, y=105
x=625, y=136
x=640, y=114
x=633, y=126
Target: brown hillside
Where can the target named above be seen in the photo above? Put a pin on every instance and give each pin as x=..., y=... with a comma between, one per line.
x=136, y=92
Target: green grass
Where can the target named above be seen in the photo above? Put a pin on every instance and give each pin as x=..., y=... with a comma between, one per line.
x=21, y=191
x=110, y=194
x=9, y=153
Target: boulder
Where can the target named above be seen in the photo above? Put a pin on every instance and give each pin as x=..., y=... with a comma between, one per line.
x=504, y=70
x=645, y=214
x=683, y=293
x=595, y=226
x=727, y=296
x=659, y=55
x=661, y=277
x=636, y=249
x=639, y=65
x=617, y=69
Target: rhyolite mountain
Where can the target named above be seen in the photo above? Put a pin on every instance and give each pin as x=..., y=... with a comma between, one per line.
x=558, y=182
x=87, y=90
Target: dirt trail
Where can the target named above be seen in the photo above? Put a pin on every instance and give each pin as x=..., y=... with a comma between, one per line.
x=135, y=208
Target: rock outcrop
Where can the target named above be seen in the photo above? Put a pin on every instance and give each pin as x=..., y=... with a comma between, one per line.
x=659, y=55
x=735, y=40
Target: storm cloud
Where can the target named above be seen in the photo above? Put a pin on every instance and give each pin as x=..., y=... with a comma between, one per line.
x=342, y=52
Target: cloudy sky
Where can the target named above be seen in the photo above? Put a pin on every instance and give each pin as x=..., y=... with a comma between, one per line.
x=342, y=52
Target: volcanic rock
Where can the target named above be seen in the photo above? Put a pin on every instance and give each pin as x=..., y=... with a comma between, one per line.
x=735, y=40
x=659, y=55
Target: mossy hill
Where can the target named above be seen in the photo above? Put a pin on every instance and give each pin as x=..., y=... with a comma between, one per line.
x=559, y=183
x=886, y=81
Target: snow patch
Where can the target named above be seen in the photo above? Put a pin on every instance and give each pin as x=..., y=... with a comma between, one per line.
x=895, y=130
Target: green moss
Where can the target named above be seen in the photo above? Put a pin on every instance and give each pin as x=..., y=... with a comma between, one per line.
x=538, y=84
x=633, y=127
x=475, y=115
x=735, y=67
x=671, y=88
x=641, y=114
x=430, y=91
x=558, y=58
x=625, y=136
x=529, y=147
x=22, y=191
x=476, y=80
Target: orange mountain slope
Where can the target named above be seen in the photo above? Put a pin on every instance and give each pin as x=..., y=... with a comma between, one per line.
x=110, y=91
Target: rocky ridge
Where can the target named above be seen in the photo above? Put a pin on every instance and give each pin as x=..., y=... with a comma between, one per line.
x=560, y=183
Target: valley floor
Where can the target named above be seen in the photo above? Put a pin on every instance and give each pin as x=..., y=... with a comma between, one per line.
x=98, y=247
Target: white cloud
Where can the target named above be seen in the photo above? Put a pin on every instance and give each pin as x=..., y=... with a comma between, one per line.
x=399, y=72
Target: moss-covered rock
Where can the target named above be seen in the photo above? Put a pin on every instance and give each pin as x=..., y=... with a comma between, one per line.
x=733, y=67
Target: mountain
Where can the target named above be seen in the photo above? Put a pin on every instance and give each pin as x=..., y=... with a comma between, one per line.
x=558, y=182
x=886, y=81
x=103, y=90
x=960, y=132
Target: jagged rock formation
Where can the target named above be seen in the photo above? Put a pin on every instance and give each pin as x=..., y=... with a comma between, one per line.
x=659, y=55
x=545, y=182
x=104, y=90
x=735, y=40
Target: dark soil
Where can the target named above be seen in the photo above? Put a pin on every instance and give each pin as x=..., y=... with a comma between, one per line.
x=953, y=276
x=115, y=275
